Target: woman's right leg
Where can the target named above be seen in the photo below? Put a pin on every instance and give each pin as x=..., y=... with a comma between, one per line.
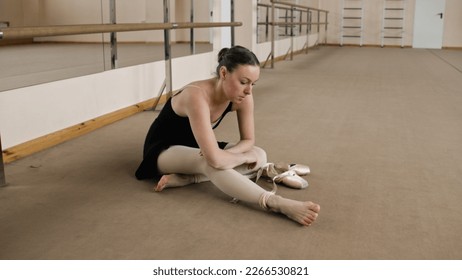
x=185, y=160
x=188, y=156
x=189, y=162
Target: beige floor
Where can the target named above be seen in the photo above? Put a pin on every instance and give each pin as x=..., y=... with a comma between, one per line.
x=380, y=128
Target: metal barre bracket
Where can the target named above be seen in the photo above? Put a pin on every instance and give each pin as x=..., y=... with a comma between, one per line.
x=2, y=166
x=1, y=35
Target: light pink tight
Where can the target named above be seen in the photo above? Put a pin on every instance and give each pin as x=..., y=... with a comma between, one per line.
x=194, y=169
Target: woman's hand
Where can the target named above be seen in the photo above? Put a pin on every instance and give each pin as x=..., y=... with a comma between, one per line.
x=251, y=159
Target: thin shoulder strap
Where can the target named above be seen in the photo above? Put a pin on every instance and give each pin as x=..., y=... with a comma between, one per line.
x=190, y=85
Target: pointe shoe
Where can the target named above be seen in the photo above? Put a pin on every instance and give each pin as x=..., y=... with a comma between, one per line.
x=288, y=178
x=271, y=170
x=291, y=179
x=300, y=169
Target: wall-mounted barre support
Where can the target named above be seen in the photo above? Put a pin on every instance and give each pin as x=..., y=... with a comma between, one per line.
x=233, y=40
x=192, y=41
x=113, y=19
x=292, y=7
x=168, y=50
x=2, y=169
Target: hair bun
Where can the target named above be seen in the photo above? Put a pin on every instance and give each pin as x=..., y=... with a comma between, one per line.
x=222, y=54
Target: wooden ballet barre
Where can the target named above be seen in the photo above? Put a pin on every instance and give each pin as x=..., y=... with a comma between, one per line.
x=291, y=24
x=277, y=7
x=60, y=30
x=297, y=23
x=298, y=6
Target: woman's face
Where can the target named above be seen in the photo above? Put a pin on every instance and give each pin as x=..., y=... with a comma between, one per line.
x=239, y=83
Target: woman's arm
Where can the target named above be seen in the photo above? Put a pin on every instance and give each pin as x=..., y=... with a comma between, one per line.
x=198, y=112
x=245, y=118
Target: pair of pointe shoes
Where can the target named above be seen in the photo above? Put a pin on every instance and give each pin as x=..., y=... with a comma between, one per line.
x=287, y=174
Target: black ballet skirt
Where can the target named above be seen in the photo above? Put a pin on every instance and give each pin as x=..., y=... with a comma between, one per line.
x=168, y=129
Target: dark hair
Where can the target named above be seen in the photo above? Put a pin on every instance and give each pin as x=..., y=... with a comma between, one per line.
x=235, y=56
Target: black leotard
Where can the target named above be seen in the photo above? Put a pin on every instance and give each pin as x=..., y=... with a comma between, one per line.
x=168, y=129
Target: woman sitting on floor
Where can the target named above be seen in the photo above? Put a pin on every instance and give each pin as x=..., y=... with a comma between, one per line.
x=181, y=148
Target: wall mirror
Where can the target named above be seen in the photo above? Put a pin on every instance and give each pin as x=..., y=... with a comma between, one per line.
x=26, y=62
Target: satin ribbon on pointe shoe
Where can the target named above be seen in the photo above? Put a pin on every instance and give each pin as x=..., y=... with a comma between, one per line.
x=289, y=178
x=300, y=169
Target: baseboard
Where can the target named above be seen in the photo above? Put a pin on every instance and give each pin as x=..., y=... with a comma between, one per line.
x=452, y=48
x=39, y=144
x=10, y=42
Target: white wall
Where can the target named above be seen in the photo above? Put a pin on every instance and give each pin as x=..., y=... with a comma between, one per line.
x=246, y=13
x=281, y=47
x=452, y=36
x=373, y=22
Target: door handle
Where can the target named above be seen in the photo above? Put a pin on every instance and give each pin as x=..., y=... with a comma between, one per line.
x=441, y=15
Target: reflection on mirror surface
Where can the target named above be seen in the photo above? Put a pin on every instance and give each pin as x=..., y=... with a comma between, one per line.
x=33, y=61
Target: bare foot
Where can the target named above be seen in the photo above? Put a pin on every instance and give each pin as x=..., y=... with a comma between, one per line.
x=173, y=180
x=303, y=212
